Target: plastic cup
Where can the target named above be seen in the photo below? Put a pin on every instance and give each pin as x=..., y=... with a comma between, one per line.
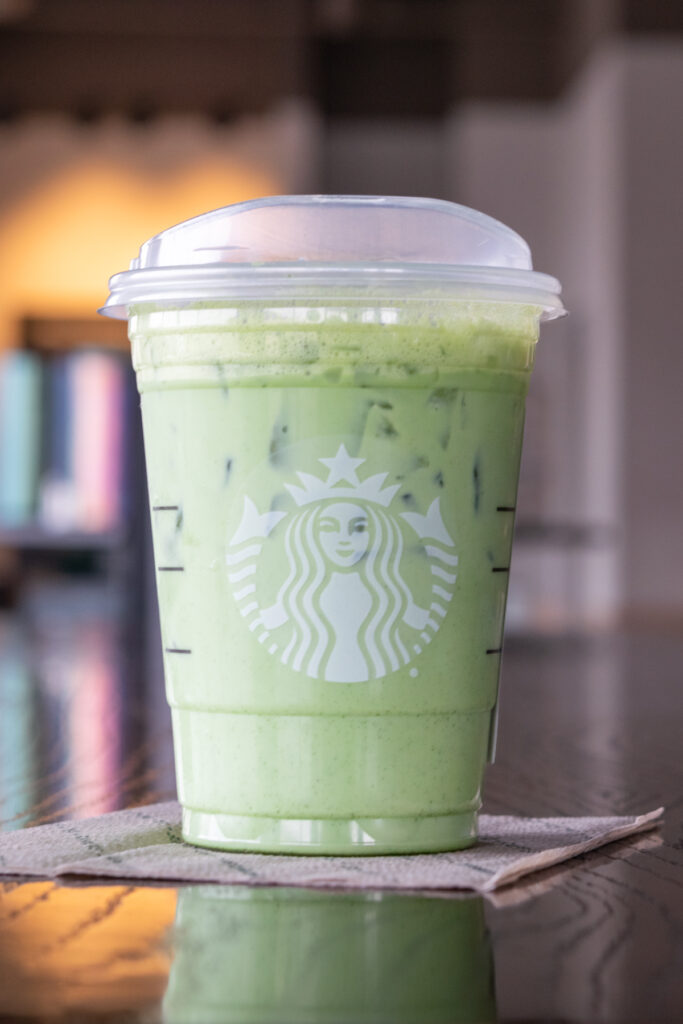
x=333, y=400
x=271, y=955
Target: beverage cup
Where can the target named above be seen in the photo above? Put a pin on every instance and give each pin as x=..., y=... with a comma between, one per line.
x=333, y=397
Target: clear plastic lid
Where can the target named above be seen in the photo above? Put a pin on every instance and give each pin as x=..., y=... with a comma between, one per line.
x=319, y=246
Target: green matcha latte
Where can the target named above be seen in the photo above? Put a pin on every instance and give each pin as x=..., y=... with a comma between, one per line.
x=333, y=482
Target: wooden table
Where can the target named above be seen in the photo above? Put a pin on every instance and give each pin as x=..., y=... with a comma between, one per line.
x=587, y=727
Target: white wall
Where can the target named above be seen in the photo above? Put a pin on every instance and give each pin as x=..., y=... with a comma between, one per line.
x=548, y=171
x=595, y=184
x=652, y=295
x=403, y=157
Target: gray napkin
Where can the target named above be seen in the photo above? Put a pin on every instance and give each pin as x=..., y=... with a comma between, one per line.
x=145, y=844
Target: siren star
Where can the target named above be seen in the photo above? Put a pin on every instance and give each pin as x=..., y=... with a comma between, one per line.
x=342, y=467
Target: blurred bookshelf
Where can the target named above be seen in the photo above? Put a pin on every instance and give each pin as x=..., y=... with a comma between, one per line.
x=66, y=334
x=71, y=462
x=35, y=537
x=66, y=424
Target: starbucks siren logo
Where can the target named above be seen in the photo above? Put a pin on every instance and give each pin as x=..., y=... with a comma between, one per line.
x=343, y=610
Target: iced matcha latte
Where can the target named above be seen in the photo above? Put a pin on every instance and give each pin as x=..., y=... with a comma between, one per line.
x=332, y=475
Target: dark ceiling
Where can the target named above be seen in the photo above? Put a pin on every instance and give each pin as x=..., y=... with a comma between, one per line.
x=355, y=58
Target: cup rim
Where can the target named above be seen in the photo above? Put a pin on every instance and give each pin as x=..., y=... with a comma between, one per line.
x=220, y=283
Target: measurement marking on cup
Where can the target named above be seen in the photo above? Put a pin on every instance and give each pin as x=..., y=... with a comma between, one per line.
x=165, y=508
x=171, y=568
x=493, y=650
x=501, y=568
x=505, y=508
x=177, y=650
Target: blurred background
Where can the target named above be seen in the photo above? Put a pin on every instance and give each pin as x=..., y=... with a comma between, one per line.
x=118, y=118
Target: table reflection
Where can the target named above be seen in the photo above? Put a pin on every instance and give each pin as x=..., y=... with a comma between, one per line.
x=19, y=762
x=79, y=952
x=75, y=732
x=244, y=954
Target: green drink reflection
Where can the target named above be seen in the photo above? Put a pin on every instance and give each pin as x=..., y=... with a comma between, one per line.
x=293, y=955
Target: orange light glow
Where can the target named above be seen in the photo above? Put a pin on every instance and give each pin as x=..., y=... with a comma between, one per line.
x=96, y=948
x=62, y=241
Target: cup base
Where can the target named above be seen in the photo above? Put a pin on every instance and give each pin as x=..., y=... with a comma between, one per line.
x=330, y=836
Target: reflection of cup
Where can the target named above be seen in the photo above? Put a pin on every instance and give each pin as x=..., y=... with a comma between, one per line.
x=333, y=396
x=293, y=955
